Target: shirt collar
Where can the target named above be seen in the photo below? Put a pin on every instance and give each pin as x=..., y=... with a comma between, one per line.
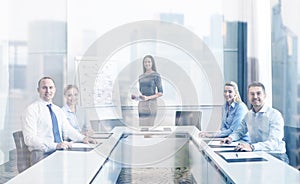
x=44, y=102
x=233, y=104
x=262, y=110
x=68, y=108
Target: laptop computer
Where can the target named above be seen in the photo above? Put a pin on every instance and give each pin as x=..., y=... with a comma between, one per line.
x=188, y=118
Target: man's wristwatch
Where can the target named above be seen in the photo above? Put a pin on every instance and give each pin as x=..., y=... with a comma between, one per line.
x=252, y=147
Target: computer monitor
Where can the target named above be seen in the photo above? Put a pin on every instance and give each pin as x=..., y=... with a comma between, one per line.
x=188, y=118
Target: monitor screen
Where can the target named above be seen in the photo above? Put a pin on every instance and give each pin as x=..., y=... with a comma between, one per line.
x=188, y=118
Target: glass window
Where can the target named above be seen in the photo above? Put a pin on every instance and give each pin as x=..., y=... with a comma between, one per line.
x=285, y=61
x=186, y=41
x=31, y=32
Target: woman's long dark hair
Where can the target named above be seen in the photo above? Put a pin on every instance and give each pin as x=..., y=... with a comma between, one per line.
x=153, y=63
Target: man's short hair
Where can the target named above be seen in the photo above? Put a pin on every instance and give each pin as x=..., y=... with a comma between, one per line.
x=43, y=79
x=257, y=84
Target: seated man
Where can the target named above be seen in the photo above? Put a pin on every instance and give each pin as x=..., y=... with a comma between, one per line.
x=44, y=123
x=264, y=124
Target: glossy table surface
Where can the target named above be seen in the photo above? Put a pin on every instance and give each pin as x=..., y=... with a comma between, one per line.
x=82, y=167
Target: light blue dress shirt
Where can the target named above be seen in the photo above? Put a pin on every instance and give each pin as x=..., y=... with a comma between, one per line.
x=265, y=128
x=77, y=119
x=232, y=119
x=72, y=118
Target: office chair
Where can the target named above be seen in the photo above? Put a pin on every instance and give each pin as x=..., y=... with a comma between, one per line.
x=292, y=141
x=23, y=154
x=188, y=118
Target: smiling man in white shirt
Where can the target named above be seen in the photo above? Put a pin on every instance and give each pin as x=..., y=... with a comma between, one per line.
x=38, y=128
x=264, y=124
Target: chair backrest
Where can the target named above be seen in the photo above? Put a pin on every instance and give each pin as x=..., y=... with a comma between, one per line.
x=188, y=118
x=23, y=154
x=292, y=141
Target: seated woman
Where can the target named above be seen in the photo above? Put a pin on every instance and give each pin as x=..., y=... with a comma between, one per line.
x=233, y=112
x=72, y=111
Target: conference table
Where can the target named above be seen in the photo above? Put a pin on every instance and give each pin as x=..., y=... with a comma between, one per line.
x=157, y=147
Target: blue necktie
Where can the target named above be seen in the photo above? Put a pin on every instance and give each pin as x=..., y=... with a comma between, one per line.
x=54, y=125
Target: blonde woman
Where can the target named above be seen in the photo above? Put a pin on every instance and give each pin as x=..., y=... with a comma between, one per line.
x=233, y=112
x=73, y=113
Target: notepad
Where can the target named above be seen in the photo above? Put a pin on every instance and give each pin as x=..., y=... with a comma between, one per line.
x=223, y=149
x=217, y=144
x=82, y=145
x=79, y=146
x=101, y=135
x=241, y=156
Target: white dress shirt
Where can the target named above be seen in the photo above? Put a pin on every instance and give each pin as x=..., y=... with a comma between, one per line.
x=37, y=126
x=266, y=130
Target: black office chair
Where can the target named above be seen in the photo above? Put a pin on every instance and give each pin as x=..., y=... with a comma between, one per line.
x=23, y=154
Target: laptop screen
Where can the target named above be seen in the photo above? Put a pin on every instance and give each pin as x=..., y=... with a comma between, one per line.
x=188, y=118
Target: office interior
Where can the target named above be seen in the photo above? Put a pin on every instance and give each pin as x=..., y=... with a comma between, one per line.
x=99, y=46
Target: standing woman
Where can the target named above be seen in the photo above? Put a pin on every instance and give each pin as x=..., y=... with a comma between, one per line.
x=150, y=88
x=73, y=113
x=233, y=112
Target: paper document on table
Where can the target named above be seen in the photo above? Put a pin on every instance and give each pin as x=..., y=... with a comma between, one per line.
x=218, y=143
x=239, y=155
x=99, y=135
x=82, y=145
x=222, y=149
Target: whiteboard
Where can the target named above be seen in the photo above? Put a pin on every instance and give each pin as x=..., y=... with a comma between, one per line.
x=99, y=89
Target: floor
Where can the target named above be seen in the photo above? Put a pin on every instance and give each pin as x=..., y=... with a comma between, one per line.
x=8, y=170
x=155, y=175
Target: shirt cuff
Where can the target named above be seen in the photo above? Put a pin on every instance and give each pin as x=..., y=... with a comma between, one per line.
x=257, y=147
x=234, y=138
